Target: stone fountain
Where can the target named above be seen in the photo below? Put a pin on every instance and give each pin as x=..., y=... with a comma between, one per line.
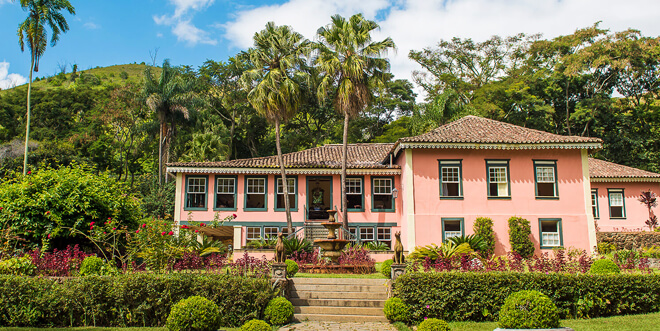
x=332, y=246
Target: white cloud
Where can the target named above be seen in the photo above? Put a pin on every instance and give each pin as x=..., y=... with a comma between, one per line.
x=181, y=24
x=8, y=80
x=416, y=24
x=91, y=26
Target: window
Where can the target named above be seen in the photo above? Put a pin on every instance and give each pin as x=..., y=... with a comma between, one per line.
x=225, y=193
x=255, y=193
x=382, y=198
x=353, y=232
x=498, y=178
x=451, y=227
x=293, y=194
x=354, y=194
x=385, y=236
x=617, y=205
x=550, y=233
x=253, y=233
x=594, y=203
x=546, y=179
x=366, y=234
x=270, y=231
x=450, y=179
x=196, y=193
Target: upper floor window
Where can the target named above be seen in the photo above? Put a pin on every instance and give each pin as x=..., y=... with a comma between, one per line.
x=225, y=193
x=382, y=194
x=546, y=179
x=550, y=230
x=291, y=187
x=354, y=194
x=195, y=192
x=255, y=193
x=451, y=181
x=498, y=178
x=594, y=203
x=617, y=203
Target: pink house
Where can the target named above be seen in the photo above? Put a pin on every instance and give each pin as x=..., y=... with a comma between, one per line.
x=429, y=187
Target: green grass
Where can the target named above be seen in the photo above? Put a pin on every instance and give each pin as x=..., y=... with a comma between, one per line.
x=99, y=329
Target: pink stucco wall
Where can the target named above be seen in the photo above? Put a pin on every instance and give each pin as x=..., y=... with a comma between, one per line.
x=636, y=212
x=430, y=209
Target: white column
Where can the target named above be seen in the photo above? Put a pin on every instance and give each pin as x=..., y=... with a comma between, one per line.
x=586, y=184
x=177, y=202
x=238, y=240
x=409, y=199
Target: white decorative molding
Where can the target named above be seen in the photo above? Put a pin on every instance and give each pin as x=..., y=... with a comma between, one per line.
x=275, y=171
x=401, y=146
x=624, y=179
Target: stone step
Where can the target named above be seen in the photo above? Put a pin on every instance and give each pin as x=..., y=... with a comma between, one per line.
x=338, y=288
x=345, y=311
x=340, y=281
x=339, y=302
x=338, y=318
x=339, y=295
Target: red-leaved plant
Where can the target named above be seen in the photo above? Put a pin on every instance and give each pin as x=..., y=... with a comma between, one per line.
x=649, y=199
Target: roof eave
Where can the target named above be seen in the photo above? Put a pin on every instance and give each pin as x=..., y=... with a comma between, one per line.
x=624, y=179
x=511, y=146
x=290, y=171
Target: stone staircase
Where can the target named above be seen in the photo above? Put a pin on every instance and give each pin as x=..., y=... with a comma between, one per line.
x=338, y=299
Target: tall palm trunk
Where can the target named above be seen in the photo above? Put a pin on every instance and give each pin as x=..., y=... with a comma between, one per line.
x=285, y=186
x=344, y=159
x=160, y=154
x=27, y=124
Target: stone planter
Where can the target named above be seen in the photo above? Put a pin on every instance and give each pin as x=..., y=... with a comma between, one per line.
x=556, y=329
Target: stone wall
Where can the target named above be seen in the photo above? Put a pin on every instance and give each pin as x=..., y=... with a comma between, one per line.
x=630, y=240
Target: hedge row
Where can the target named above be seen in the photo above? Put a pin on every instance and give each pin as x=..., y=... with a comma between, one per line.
x=458, y=296
x=126, y=300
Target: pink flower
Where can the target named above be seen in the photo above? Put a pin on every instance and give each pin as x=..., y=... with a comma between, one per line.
x=426, y=318
x=171, y=233
x=163, y=233
x=427, y=307
x=144, y=225
x=137, y=231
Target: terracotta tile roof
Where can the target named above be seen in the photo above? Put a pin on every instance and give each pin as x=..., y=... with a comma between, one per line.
x=604, y=169
x=360, y=156
x=474, y=129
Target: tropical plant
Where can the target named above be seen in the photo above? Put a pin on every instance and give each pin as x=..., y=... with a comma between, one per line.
x=475, y=241
x=431, y=251
x=296, y=244
x=376, y=246
x=649, y=199
x=351, y=66
x=170, y=97
x=446, y=251
x=483, y=227
x=519, y=236
x=277, y=56
x=32, y=31
x=262, y=243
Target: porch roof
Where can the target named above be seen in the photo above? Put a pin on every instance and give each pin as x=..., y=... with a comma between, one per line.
x=604, y=171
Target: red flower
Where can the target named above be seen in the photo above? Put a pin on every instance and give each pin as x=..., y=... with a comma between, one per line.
x=48, y=236
x=47, y=213
x=202, y=224
x=163, y=233
x=144, y=225
x=90, y=224
x=196, y=230
x=29, y=172
x=0, y=208
x=171, y=233
x=234, y=215
x=113, y=229
x=109, y=218
x=91, y=227
x=137, y=231
x=184, y=226
x=104, y=232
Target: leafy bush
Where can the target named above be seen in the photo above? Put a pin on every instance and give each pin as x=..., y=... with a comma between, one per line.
x=278, y=311
x=296, y=244
x=483, y=227
x=20, y=266
x=262, y=243
x=604, y=266
x=92, y=265
x=433, y=324
x=376, y=246
x=291, y=268
x=482, y=295
x=359, y=257
x=520, y=236
x=194, y=314
x=39, y=206
x=396, y=310
x=528, y=310
x=256, y=325
x=605, y=247
x=475, y=242
x=130, y=300
x=386, y=268
x=58, y=263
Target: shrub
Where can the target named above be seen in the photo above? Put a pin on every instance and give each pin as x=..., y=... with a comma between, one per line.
x=386, y=268
x=279, y=311
x=482, y=295
x=604, y=266
x=256, y=325
x=605, y=247
x=123, y=75
x=92, y=265
x=519, y=237
x=529, y=310
x=296, y=244
x=58, y=263
x=291, y=268
x=20, y=266
x=194, y=314
x=433, y=324
x=396, y=310
x=483, y=227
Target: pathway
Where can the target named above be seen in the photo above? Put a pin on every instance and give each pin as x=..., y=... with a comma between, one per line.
x=338, y=326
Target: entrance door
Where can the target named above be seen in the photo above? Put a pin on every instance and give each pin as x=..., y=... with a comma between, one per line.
x=319, y=197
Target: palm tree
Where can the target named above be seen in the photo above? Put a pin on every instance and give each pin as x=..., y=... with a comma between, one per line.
x=276, y=60
x=351, y=67
x=32, y=31
x=169, y=97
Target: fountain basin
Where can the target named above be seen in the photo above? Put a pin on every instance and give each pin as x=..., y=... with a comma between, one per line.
x=331, y=244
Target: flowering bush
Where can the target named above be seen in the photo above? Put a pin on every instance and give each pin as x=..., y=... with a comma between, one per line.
x=59, y=262
x=250, y=267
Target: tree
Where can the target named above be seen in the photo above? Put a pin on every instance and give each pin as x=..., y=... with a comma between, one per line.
x=32, y=31
x=275, y=59
x=351, y=67
x=169, y=97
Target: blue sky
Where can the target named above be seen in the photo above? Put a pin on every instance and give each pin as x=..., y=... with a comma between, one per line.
x=107, y=32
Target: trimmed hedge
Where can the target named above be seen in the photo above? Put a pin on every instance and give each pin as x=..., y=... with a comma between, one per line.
x=469, y=296
x=140, y=299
